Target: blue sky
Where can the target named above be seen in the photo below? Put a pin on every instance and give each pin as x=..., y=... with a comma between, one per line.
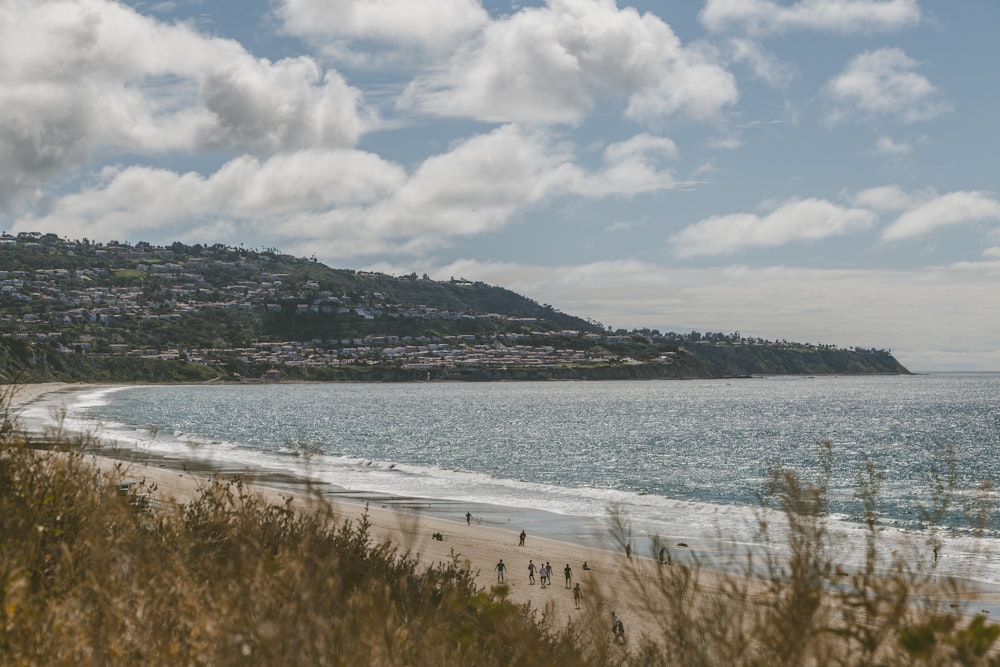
x=820, y=171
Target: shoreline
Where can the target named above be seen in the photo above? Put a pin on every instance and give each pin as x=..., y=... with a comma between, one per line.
x=410, y=522
x=584, y=531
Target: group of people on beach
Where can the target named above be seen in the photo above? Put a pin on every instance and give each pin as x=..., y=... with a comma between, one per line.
x=545, y=579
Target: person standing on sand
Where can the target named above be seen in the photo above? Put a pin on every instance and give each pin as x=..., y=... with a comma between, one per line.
x=569, y=575
x=618, y=628
x=468, y=518
x=628, y=550
x=521, y=543
x=577, y=595
x=500, y=568
x=543, y=574
x=531, y=572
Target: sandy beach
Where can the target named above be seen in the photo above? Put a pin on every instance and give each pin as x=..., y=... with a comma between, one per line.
x=607, y=585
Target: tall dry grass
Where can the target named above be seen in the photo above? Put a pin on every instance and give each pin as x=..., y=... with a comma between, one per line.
x=804, y=607
x=94, y=575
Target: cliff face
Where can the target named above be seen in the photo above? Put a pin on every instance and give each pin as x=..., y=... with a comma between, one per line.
x=747, y=360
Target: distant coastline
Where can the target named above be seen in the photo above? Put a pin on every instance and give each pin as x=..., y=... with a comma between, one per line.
x=95, y=312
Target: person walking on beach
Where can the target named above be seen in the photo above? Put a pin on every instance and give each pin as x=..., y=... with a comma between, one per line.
x=500, y=568
x=628, y=550
x=543, y=574
x=521, y=543
x=531, y=572
x=468, y=518
x=569, y=575
x=577, y=595
x=617, y=628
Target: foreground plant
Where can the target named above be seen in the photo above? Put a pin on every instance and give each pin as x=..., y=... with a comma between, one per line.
x=806, y=608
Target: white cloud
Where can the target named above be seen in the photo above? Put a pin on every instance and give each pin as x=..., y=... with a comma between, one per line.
x=279, y=106
x=431, y=26
x=481, y=184
x=954, y=208
x=764, y=65
x=344, y=203
x=838, y=16
x=128, y=203
x=886, y=146
x=797, y=220
x=884, y=198
x=549, y=64
x=631, y=167
x=81, y=76
x=884, y=83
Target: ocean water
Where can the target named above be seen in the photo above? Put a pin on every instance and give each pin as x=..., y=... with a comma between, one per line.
x=682, y=459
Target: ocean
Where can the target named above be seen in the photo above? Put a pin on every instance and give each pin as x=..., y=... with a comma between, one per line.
x=685, y=460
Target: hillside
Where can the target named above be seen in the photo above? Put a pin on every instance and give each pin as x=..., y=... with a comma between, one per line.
x=79, y=310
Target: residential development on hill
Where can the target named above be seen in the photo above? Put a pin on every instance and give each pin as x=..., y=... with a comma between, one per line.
x=243, y=314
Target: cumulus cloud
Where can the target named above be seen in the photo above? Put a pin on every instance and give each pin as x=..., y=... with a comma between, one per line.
x=78, y=76
x=764, y=65
x=884, y=198
x=549, y=64
x=631, y=166
x=130, y=202
x=837, y=16
x=954, y=208
x=430, y=26
x=884, y=83
x=341, y=203
x=886, y=146
x=278, y=106
x=482, y=184
x=797, y=220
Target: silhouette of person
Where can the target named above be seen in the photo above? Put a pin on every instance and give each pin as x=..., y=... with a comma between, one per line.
x=468, y=518
x=521, y=542
x=531, y=572
x=577, y=595
x=569, y=575
x=500, y=568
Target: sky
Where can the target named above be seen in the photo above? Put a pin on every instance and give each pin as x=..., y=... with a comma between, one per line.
x=823, y=171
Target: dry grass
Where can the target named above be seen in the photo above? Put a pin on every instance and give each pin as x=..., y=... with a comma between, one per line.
x=94, y=575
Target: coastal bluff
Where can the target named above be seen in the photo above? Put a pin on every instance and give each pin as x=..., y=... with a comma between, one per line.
x=115, y=312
